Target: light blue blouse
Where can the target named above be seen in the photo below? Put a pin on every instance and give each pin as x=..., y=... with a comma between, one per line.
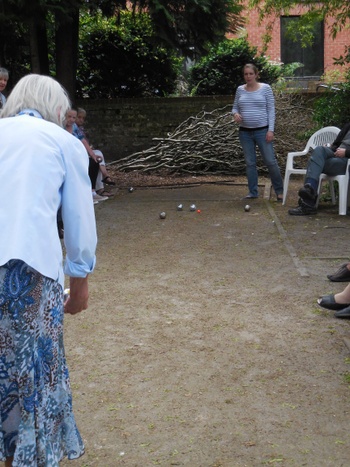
x=43, y=167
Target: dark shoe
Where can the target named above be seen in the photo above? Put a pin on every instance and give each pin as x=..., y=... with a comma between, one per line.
x=342, y=275
x=344, y=313
x=308, y=194
x=303, y=210
x=328, y=301
x=249, y=196
x=279, y=198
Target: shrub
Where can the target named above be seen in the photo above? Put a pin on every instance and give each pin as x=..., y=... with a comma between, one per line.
x=333, y=106
x=123, y=59
x=220, y=72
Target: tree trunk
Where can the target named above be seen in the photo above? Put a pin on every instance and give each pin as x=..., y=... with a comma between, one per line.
x=38, y=45
x=66, y=41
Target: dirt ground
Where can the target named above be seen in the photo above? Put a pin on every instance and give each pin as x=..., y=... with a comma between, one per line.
x=203, y=345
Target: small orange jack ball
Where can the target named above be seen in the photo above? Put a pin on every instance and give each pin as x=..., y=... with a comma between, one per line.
x=198, y=210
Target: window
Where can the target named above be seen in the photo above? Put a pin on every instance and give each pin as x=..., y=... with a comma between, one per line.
x=292, y=51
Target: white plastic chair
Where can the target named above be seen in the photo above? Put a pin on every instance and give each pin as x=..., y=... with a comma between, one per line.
x=343, y=185
x=321, y=137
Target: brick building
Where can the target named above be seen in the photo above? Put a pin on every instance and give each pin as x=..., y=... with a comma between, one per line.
x=317, y=59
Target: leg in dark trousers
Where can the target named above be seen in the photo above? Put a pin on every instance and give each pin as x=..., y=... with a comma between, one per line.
x=60, y=223
x=94, y=167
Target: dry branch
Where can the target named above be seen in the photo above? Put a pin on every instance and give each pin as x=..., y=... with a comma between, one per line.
x=209, y=142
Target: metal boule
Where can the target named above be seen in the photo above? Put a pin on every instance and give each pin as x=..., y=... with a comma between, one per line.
x=66, y=294
x=131, y=189
x=180, y=207
x=247, y=208
x=192, y=207
x=162, y=215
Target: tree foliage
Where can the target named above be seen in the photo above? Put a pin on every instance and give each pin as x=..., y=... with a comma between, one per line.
x=43, y=34
x=333, y=106
x=220, y=72
x=336, y=10
x=122, y=59
x=192, y=25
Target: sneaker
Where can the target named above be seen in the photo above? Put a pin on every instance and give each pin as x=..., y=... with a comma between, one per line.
x=303, y=210
x=308, y=194
x=97, y=197
x=95, y=202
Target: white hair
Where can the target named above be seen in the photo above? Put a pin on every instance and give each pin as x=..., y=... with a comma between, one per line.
x=40, y=93
x=4, y=73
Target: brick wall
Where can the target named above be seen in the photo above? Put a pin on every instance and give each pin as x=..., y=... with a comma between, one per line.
x=119, y=127
x=332, y=47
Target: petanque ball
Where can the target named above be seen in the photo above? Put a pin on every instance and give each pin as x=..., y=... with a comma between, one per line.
x=247, y=208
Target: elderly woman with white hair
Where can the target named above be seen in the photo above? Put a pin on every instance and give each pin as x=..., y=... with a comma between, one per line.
x=50, y=170
x=4, y=77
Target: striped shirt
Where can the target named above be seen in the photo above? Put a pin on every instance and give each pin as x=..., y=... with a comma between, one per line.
x=257, y=108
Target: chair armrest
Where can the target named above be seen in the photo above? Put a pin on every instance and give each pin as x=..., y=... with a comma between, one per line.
x=298, y=153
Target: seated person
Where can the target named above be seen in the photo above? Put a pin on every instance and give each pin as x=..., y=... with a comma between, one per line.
x=339, y=302
x=103, y=176
x=4, y=77
x=94, y=165
x=329, y=160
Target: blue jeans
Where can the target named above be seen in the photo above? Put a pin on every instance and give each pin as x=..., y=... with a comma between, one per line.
x=322, y=160
x=249, y=140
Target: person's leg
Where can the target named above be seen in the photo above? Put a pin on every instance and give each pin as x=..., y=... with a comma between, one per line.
x=102, y=163
x=99, y=184
x=322, y=160
x=344, y=296
x=60, y=226
x=248, y=146
x=103, y=176
x=94, y=168
x=8, y=462
x=269, y=158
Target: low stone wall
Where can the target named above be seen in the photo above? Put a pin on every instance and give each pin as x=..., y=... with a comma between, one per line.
x=119, y=127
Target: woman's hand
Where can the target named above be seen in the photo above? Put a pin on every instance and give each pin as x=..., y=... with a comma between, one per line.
x=94, y=157
x=269, y=136
x=237, y=118
x=79, y=295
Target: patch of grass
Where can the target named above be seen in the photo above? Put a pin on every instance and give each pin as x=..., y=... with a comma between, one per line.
x=346, y=377
x=276, y=460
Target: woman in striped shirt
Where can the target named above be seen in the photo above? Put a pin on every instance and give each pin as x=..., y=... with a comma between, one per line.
x=254, y=111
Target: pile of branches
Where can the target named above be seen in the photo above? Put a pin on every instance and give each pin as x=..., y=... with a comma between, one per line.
x=208, y=142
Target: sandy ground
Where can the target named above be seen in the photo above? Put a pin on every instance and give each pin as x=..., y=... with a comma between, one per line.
x=203, y=344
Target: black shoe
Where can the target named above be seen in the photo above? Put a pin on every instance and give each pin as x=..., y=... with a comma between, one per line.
x=342, y=275
x=303, y=210
x=308, y=194
x=328, y=301
x=344, y=313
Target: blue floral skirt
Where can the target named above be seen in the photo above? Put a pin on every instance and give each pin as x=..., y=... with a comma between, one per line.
x=37, y=424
